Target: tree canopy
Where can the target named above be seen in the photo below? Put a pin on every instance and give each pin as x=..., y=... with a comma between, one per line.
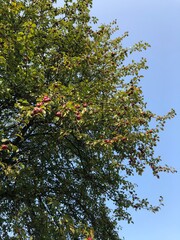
x=74, y=126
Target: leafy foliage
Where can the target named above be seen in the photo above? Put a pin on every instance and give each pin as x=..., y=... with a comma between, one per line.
x=73, y=129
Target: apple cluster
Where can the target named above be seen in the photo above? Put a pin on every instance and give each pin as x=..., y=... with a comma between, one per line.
x=77, y=112
x=38, y=108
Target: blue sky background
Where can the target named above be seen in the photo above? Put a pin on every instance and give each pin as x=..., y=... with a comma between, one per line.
x=158, y=23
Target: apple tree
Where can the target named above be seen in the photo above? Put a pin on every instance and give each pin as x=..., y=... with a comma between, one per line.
x=74, y=126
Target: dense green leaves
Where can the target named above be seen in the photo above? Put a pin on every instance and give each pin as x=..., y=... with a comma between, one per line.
x=73, y=129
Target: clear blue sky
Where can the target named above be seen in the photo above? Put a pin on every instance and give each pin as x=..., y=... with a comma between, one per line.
x=157, y=22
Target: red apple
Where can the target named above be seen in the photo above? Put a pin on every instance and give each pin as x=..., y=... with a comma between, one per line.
x=78, y=116
x=46, y=99
x=77, y=106
x=4, y=147
x=107, y=141
x=59, y=114
x=37, y=110
x=39, y=104
x=84, y=104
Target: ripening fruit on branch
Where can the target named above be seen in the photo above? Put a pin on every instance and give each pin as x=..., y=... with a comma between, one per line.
x=84, y=104
x=36, y=111
x=58, y=114
x=46, y=99
x=39, y=104
x=77, y=106
x=78, y=117
x=4, y=147
x=107, y=141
